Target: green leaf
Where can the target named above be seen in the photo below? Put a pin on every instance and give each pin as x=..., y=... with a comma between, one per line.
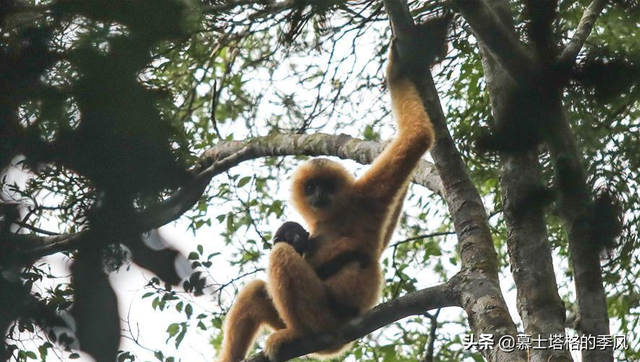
x=159, y=355
x=243, y=181
x=180, y=337
x=173, y=329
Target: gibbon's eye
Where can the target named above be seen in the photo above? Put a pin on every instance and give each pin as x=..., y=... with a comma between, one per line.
x=309, y=187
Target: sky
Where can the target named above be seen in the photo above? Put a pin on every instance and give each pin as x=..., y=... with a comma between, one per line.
x=149, y=327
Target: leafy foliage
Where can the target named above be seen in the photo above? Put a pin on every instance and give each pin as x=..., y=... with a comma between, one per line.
x=107, y=105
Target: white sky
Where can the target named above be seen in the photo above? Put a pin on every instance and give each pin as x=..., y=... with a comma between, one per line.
x=150, y=326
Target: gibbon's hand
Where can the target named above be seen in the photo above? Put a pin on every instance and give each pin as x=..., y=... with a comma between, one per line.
x=426, y=46
x=293, y=234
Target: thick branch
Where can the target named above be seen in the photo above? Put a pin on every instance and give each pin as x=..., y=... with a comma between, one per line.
x=221, y=158
x=481, y=296
x=538, y=302
x=482, y=299
x=575, y=198
x=414, y=303
x=525, y=238
x=542, y=15
x=500, y=40
x=319, y=144
x=322, y=144
x=575, y=201
x=589, y=17
x=401, y=21
x=268, y=5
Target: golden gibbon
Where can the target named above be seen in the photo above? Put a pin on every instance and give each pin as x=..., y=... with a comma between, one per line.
x=318, y=281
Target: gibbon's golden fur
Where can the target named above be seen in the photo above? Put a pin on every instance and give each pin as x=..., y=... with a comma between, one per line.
x=350, y=221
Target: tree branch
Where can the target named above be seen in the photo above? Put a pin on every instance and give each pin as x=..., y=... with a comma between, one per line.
x=500, y=40
x=542, y=15
x=221, y=158
x=268, y=5
x=229, y=5
x=480, y=292
x=321, y=144
x=187, y=196
x=414, y=303
x=34, y=247
x=570, y=53
x=420, y=237
x=538, y=302
x=537, y=299
x=575, y=199
x=433, y=329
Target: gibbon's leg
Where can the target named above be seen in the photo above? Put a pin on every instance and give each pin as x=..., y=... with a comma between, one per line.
x=298, y=295
x=251, y=310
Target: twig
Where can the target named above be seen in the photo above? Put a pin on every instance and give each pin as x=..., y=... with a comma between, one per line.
x=433, y=328
x=425, y=236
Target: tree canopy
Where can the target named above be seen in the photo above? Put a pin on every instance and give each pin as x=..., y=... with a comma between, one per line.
x=118, y=117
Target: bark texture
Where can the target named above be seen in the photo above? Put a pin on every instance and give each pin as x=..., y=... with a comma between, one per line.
x=545, y=80
x=479, y=289
x=538, y=302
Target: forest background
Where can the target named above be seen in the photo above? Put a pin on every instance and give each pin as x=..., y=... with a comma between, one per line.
x=119, y=117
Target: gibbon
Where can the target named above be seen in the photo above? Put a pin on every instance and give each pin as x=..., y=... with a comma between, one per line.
x=294, y=234
x=335, y=274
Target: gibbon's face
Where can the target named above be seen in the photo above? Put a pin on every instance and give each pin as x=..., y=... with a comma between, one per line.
x=321, y=188
x=320, y=192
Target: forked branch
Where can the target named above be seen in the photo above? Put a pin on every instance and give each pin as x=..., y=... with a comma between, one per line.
x=587, y=22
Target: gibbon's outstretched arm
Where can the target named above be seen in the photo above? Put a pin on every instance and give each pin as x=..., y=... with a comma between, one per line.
x=391, y=171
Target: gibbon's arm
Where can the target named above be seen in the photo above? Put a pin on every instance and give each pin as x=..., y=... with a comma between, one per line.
x=395, y=216
x=390, y=172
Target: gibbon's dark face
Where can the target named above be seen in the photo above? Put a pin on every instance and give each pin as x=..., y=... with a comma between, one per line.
x=320, y=192
x=320, y=189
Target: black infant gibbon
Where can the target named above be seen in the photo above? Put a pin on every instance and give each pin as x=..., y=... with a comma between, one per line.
x=294, y=234
x=317, y=282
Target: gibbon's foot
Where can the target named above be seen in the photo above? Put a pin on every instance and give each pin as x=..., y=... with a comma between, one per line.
x=276, y=340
